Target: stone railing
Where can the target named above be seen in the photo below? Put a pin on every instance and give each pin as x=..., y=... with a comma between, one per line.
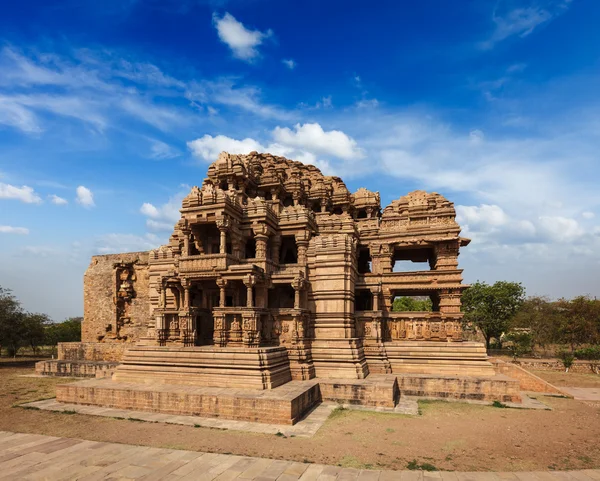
x=415, y=280
x=407, y=326
x=206, y=262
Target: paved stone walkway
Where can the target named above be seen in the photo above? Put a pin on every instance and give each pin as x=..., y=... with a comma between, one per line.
x=37, y=457
x=583, y=393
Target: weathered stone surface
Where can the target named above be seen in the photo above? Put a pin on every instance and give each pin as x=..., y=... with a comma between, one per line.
x=275, y=272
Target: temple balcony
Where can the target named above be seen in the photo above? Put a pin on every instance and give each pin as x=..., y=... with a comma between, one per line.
x=206, y=263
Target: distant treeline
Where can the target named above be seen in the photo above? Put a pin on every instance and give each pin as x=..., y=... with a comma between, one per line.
x=19, y=328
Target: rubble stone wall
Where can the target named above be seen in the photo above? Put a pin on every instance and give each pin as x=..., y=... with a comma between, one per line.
x=103, y=321
x=91, y=351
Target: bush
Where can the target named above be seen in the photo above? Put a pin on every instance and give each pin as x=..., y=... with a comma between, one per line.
x=567, y=358
x=519, y=343
x=591, y=354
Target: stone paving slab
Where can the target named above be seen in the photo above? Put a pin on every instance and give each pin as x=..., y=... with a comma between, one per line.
x=583, y=393
x=36, y=457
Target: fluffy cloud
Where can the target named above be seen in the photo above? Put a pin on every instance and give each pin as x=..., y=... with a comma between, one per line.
x=289, y=63
x=164, y=217
x=312, y=138
x=55, y=199
x=588, y=215
x=7, y=229
x=243, y=42
x=85, y=197
x=481, y=215
x=24, y=193
x=209, y=147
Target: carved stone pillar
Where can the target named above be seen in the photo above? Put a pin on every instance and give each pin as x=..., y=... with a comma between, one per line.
x=299, y=284
x=302, y=240
x=223, y=224
x=261, y=236
x=186, y=242
x=221, y=284
x=249, y=282
x=186, y=284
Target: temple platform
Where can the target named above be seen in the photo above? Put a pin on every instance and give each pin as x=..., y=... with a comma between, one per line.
x=209, y=366
x=439, y=358
x=376, y=390
x=483, y=388
x=283, y=405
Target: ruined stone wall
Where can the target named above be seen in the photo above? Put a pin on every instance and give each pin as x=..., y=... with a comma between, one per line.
x=91, y=351
x=116, y=303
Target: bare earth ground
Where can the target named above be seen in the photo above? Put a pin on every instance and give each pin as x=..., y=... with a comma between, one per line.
x=449, y=436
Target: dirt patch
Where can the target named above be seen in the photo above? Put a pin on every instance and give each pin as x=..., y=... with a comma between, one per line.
x=571, y=379
x=444, y=436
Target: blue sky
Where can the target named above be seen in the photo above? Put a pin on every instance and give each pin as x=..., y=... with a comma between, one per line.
x=110, y=111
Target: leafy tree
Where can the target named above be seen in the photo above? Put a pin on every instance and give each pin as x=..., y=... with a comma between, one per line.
x=542, y=317
x=67, y=331
x=579, y=321
x=490, y=308
x=34, y=330
x=404, y=304
x=521, y=343
x=10, y=314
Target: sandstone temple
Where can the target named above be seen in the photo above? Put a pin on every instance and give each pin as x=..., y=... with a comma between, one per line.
x=275, y=292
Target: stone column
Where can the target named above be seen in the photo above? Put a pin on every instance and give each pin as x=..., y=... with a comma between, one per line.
x=302, y=240
x=185, y=283
x=186, y=242
x=275, y=248
x=249, y=282
x=299, y=283
x=261, y=237
x=222, y=284
x=223, y=226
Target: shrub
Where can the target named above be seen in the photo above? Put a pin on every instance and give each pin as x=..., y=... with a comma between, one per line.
x=591, y=354
x=519, y=343
x=567, y=358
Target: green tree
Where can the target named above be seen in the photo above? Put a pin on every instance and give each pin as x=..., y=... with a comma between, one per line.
x=579, y=321
x=34, y=330
x=67, y=331
x=490, y=308
x=406, y=304
x=10, y=317
x=542, y=317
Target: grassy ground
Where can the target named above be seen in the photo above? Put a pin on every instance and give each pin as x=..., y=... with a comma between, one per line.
x=444, y=436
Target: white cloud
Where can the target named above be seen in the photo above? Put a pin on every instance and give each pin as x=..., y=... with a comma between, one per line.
x=55, y=199
x=312, y=138
x=160, y=150
x=209, y=147
x=117, y=243
x=24, y=193
x=289, y=63
x=484, y=214
x=164, y=217
x=243, y=42
x=588, y=215
x=522, y=21
x=7, y=229
x=85, y=197
x=561, y=229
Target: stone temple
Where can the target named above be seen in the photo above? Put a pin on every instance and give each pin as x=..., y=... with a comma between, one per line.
x=274, y=293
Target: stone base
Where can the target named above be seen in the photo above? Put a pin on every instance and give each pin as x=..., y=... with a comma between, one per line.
x=374, y=391
x=495, y=388
x=439, y=358
x=339, y=359
x=57, y=367
x=283, y=405
x=233, y=367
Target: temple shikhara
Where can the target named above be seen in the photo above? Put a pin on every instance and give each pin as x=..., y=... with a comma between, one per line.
x=276, y=292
